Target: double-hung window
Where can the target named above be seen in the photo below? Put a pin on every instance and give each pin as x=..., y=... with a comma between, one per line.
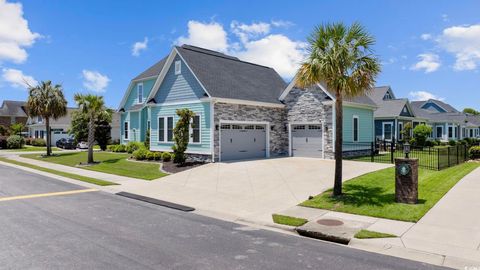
x=355, y=128
x=400, y=130
x=125, y=130
x=165, y=129
x=140, y=92
x=195, y=129
x=170, y=129
x=161, y=129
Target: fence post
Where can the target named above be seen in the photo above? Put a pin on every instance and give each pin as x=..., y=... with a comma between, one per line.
x=372, y=153
x=458, y=160
x=392, y=148
x=438, y=158
x=448, y=156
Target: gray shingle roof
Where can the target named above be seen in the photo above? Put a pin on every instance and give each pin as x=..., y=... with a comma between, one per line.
x=377, y=93
x=390, y=108
x=13, y=108
x=362, y=99
x=225, y=76
x=153, y=70
x=446, y=106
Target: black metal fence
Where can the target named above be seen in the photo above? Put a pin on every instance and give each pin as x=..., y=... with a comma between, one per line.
x=433, y=158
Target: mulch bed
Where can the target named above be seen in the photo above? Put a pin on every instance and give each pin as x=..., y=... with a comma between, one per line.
x=171, y=167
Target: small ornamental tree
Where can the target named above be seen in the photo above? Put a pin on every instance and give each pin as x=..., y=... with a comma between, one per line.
x=421, y=133
x=17, y=128
x=181, y=135
x=406, y=132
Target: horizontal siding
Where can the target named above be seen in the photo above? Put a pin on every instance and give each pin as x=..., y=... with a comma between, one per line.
x=202, y=109
x=365, y=118
x=133, y=98
x=180, y=87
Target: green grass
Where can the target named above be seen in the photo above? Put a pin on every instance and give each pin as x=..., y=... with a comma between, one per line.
x=287, y=220
x=33, y=149
x=373, y=194
x=64, y=174
x=113, y=163
x=365, y=234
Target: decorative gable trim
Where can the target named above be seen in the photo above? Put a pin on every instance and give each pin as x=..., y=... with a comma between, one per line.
x=165, y=69
x=292, y=84
x=434, y=102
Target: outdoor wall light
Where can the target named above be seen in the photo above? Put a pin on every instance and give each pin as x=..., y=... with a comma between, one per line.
x=406, y=149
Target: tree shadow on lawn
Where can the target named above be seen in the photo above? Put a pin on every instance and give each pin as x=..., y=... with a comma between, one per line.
x=358, y=195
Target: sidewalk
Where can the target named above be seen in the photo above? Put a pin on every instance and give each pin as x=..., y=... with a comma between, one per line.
x=448, y=235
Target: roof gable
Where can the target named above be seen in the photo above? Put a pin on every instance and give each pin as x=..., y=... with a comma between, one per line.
x=433, y=107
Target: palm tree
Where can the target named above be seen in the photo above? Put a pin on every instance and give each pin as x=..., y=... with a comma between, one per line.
x=47, y=100
x=94, y=108
x=341, y=57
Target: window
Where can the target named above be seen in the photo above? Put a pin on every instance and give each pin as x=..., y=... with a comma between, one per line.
x=450, y=132
x=170, y=129
x=42, y=134
x=140, y=92
x=236, y=127
x=355, y=128
x=125, y=130
x=259, y=127
x=39, y=119
x=387, y=131
x=439, y=132
x=195, y=129
x=224, y=126
x=298, y=127
x=314, y=127
x=387, y=96
x=400, y=129
x=36, y=133
x=161, y=129
x=456, y=132
x=148, y=125
x=178, y=67
x=249, y=127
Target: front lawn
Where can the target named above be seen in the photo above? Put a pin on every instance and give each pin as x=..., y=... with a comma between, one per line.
x=365, y=234
x=287, y=220
x=373, y=194
x=113, y=163
x=33, y=149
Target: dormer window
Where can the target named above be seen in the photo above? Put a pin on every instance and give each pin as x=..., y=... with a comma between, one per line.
x=178, y=67
x=39, y=119
x=140, y=92
x=387, y=96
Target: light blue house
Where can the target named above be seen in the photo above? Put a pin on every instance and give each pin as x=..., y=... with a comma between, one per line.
x=242, y=110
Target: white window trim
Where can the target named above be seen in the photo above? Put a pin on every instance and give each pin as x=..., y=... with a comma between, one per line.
x=190, y=131
x=178, y=67
x=126, y=136
x=383, y=130
x=436, y=132
x=138, y=91
x=400, y=129
x=353, y=128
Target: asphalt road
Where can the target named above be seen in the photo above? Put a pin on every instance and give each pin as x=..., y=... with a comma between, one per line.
x=97, y=230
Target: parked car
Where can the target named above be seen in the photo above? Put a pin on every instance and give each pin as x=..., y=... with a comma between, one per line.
x=82, y=145
x=66, y=143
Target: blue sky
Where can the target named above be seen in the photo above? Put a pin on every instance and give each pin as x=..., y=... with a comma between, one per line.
x=428, y=48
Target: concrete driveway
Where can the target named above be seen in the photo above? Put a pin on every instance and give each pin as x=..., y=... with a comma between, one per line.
x=250, y=190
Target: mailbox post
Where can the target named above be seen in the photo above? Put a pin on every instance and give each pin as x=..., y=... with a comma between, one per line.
x=406, y=178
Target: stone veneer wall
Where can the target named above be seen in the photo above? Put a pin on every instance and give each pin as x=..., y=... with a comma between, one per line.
x=307, y=106
x=238, y=112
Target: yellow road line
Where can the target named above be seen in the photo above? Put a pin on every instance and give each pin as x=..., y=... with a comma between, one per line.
x=31, y=196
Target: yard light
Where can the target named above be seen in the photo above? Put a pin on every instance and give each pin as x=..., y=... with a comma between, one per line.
x=406, y=149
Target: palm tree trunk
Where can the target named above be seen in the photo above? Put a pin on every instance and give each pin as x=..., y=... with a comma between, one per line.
x=47, y=125
x=91, y=139
x=337, y=187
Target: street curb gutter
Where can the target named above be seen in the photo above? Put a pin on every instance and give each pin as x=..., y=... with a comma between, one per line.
x=156, y=201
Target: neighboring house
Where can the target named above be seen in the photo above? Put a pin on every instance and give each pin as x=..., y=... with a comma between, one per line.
x=59, y=127
x=12, y=112
x=115, y=131
x=392, y=114
x=243, y=110
x=447, y=122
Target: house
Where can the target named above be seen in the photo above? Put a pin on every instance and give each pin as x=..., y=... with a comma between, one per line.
x=59, y=127
x=243, y=110
x=447, y=122
x=392, y=114
x=12, y=112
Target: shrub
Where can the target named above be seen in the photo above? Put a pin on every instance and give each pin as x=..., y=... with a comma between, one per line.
x=421, y=133
x=429, y=143
x=413, y=141
x=15, y=142
x=133, y=146
x=28, y=141
x=452, y=142
x=140, y=154
x=111, y=147
x=474, y=152
x=39, y=142
x=3, y=142
x=166, y=156
x=150, y=155
x=181, y=135
x=157, y=155
x=120, y=148
x=3, y=131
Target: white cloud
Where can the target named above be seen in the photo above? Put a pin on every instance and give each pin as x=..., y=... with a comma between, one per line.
x=17, y=79
x=206, y=35
x=426, y=36
x=445, y=17
x=429, y=62
x=464, y=43
x=94, y=80
x=423, y=95
x=15, y=34
x=282, y=23
x=256, y=44
x=139, y=46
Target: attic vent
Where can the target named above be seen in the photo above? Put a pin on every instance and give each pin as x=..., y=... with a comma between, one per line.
x=178, y=67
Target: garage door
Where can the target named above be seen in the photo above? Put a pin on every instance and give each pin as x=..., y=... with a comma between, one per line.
x=242, y=141
x=307, y=140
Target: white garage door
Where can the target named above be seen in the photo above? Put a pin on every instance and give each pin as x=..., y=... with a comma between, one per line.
x=307, y=141
x=57, y=135
x=242, y=141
